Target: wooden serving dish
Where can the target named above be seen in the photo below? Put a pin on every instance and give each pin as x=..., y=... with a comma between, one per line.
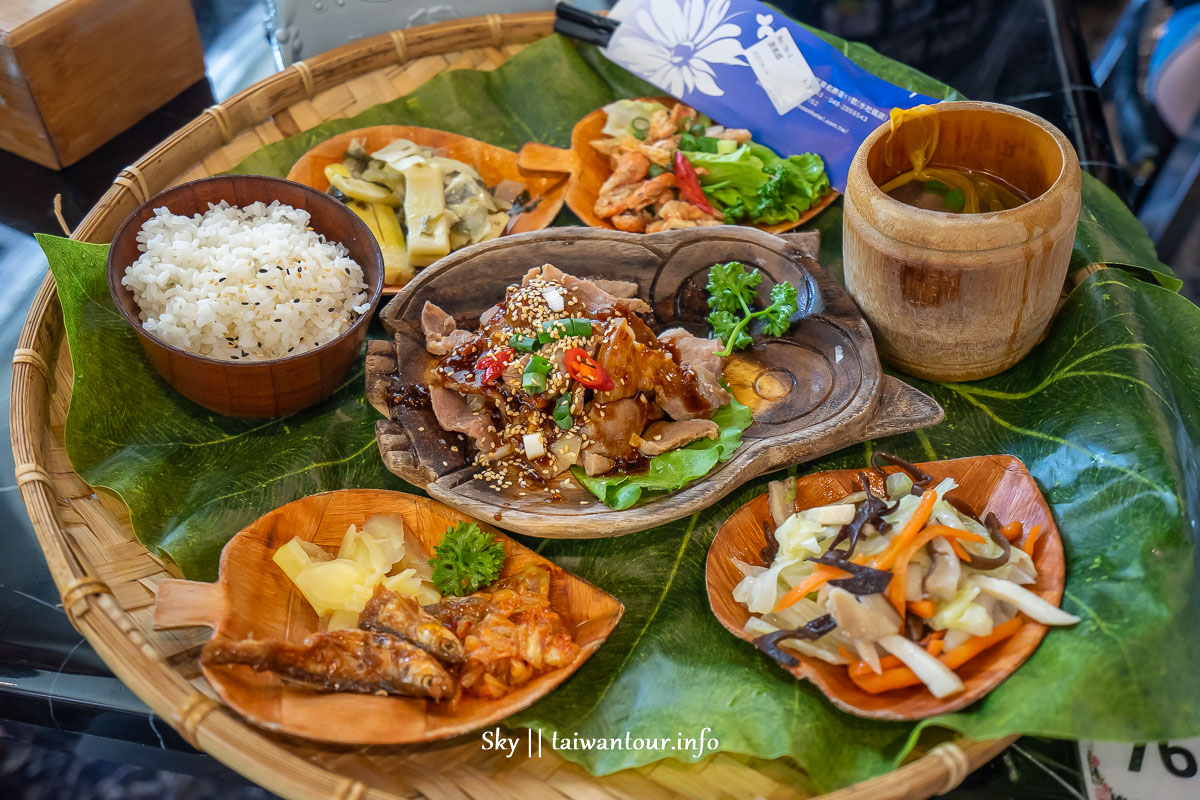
x=814, y=390
x=495, y=164
x=254, y=599
x=588, y=170
x=958, y=297
x=251, y=388
x=999, y=484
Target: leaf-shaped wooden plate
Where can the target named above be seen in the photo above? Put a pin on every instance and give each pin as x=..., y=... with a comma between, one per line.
x=999, y=484
x=588, y=170
x=495, y=164
x=254, y=599
x=815, y=389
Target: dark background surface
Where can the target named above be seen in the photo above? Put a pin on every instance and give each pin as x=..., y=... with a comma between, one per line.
x=69, y=729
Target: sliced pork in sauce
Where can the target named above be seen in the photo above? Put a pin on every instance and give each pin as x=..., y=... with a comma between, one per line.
x=565, y=372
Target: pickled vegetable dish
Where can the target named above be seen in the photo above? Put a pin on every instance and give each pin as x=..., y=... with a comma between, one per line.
x=420, y=205
x=902, y=588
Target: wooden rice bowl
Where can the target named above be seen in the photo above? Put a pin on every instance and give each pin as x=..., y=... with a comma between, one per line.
x=495, y=164
x=254, y=599
x=588, y=170
x=1000, y=484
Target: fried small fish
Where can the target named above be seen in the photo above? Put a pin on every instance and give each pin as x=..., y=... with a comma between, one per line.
x=341, y=661
x=391, y=612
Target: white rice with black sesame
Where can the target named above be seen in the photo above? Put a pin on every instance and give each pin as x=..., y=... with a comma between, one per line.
x=245, y=284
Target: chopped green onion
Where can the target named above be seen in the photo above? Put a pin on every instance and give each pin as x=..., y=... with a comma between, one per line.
x=562, y=328
x=562, y=412
x=954, y=200
x=533, y=380
x=526, y=344
x=937, y=187
x=701, y=144
x=684, y=124
x=655, y=170
x=640, y=126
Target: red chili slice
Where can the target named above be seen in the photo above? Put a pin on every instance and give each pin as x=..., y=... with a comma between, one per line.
x=689, y=184
x=491, y=365
x=587, y=371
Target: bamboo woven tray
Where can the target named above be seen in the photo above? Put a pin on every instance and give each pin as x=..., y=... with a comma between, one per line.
x=108, y=580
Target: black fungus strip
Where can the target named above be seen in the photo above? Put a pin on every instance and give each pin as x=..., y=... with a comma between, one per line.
x=920, y=478
x=769, y=642
x=863, y=580
x=771, y=548
x=870, y=510
x=993, y=527
x=961, y=507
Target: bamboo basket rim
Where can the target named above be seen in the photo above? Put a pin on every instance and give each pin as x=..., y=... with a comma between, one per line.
x=89, y=602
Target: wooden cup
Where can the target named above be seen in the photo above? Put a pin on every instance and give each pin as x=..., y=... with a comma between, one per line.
x=962, y=296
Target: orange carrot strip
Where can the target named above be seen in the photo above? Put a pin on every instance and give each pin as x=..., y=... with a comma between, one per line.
x=935, y=646
x=1012, y=530
x=901, y=677
x=1031, y=540
x=977, y=644
x=896, y=589
x=922, y=608
x=959, y=551
x=897, y=678
x=909, y=531
x=860, y=668
x=819, y=577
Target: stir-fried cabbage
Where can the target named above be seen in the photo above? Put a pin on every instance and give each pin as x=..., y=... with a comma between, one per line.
x=941, y=591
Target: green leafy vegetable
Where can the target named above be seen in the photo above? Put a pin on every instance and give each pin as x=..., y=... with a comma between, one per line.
x=1105, y=413
x=752, y=181
x=677, y=468
x=954, y=200
x=466, y=560
x=731, y=294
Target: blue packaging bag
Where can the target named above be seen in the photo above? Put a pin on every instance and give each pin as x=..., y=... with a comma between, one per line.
x=748, y=66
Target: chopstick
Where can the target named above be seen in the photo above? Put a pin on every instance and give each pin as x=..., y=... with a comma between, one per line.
x=583, y=25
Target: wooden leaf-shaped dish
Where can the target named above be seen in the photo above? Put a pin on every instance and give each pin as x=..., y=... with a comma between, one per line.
x=253, y=598
x=495, y=164
x=1000, y=484
x=815, y=389
x=588, y=170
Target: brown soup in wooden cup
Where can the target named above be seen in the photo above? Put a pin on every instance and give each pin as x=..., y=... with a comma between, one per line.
x=252, y=388
x=955, y=296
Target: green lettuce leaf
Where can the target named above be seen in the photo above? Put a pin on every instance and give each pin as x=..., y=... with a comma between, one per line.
x=1105, y=412
x=676, y=469
x=754, y=182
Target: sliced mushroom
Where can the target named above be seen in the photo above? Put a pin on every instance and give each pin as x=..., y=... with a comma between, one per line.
x=866, y=621
x=942, y=580
x=781, y=496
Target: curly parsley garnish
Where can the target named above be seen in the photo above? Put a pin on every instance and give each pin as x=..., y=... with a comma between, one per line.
x=466, y=560
x=731, y=290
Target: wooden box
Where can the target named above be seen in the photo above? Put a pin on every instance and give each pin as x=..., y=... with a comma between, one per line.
x=75, y=73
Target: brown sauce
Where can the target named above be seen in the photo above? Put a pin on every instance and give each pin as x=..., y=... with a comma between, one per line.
x=947, y=188
x=409, y=395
